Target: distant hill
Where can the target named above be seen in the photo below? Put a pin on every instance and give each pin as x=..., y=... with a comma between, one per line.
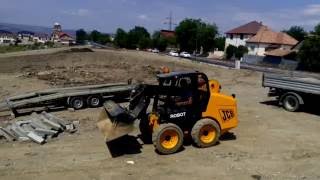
x=37, y=29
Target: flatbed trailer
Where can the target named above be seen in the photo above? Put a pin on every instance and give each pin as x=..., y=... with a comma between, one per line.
x=292, y=91
x=73, y=97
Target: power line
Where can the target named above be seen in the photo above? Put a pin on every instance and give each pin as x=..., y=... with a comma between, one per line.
x=169, y=21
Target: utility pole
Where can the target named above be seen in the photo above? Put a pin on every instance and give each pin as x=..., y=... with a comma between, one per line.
x=169, y=21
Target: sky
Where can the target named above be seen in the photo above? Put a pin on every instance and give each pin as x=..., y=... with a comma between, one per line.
x=108, y=15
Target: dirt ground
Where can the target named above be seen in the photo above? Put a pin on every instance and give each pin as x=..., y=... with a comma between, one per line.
x=270, y=143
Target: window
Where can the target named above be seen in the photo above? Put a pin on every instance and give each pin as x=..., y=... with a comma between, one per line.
x=241, y=36
x=231, y=36
x=184, y=82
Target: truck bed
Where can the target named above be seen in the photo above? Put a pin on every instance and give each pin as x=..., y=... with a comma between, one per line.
x=309, y=85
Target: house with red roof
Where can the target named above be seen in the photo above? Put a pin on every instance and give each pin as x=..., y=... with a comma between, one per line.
x=239, y=35
x=269, y=42
x=58, y=36
x=167, y=34
x=260, y=39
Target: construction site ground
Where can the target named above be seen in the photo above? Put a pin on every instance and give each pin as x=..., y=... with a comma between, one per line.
x=270, y=143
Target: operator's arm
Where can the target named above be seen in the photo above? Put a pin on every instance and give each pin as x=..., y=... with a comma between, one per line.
x=184, y=102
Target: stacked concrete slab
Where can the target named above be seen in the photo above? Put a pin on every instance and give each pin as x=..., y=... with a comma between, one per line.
x=37, y=128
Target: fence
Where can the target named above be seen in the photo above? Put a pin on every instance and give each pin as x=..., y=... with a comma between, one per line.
x=269, y=61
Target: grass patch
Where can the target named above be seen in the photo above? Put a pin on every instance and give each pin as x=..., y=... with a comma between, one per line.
x=16, y=48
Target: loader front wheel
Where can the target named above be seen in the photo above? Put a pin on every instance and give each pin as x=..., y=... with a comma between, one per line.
x=205, y=133
x=167, y=138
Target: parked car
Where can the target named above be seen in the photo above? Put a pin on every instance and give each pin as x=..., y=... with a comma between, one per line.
x=185, y=54
x=155, y=50
x=174, y=53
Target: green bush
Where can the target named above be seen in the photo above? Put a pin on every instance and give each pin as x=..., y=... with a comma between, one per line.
x=241, y=50
x=236, y=52
x=309, y=54
x=231, y=51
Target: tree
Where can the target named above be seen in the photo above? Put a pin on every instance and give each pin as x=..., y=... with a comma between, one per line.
x=159, y=42
x=192, y=34
x=144, y=43
x=241, y=50
x=121, y=38
x=231, y=51
x=162, y=44
x=135, y=35
x=317, y=30
x=297, y=32
x=236, y=52
x=207, y=34
x=104, y=39
x=309, y=56
x=99, y=37
x=81, y=36
x=219, y=43
x=95, y=36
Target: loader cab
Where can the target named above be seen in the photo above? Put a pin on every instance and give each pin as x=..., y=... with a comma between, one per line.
x=186, y=96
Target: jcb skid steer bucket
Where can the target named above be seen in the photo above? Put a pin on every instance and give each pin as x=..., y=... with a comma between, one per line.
x=114, y=121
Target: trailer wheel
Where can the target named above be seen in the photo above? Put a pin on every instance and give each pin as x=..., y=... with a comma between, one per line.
x=94, y=101
x=77, y=103
x=291, y=103
x=167, y=138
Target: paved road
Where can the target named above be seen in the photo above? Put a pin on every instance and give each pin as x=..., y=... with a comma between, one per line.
x=231, y=64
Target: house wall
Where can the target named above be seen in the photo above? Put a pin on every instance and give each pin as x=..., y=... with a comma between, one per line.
x=256, y=48
x=40, y=39
x=6, y=40
x=236, y=40
x=260, y=48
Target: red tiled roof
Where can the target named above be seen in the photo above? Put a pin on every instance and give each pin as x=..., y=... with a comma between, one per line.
x=65, y=36
x=268, y=36
x=167, y=33
x=278, y=52
x=250, y=28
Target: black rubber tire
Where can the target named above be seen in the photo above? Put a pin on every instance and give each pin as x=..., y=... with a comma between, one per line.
x=291, y=103
x=94, y=101
x=196, y=132
x=156, y=138
x=146, y=132
x=77, y=103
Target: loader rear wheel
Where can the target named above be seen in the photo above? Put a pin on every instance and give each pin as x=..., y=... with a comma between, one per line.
x=168, y=138
x=205, y=133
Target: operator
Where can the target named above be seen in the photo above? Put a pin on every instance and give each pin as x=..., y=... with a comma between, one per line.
x=185, y=98
x=202, y=86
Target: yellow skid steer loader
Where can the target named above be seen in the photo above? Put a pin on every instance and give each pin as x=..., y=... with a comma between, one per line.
x=182, y=102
